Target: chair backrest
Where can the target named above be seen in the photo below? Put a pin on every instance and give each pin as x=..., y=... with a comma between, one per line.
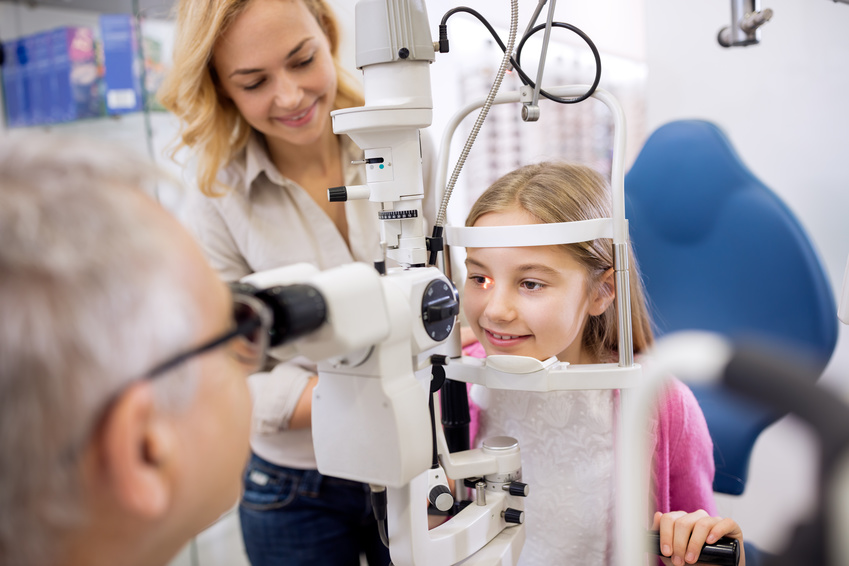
x=719, y=251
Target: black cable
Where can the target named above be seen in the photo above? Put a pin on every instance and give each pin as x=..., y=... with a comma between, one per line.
x=526, y=80
x=381, y=530
x=436, y=382
x=452, y=11
x=592, y=47
x=378, y=506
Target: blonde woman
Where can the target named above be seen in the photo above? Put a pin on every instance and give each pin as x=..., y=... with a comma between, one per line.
x=254, y=82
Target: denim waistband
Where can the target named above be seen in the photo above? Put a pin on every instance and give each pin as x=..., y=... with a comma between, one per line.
x=310, y=481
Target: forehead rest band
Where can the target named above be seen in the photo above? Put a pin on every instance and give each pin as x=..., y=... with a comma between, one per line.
x=529, y=234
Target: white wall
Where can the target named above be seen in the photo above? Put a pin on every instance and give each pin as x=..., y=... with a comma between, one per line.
x=616, y=26
x=782, y=103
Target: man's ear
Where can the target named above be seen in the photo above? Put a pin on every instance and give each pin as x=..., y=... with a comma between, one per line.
x=136, y=446
x=603, y=294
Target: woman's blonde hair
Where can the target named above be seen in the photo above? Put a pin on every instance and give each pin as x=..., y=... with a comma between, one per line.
x=564, y=192
x=211, y=124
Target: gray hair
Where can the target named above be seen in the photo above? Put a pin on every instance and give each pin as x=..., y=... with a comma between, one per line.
x=89, y=301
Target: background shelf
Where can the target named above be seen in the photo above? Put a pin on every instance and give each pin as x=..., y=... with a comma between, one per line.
x=150, y=8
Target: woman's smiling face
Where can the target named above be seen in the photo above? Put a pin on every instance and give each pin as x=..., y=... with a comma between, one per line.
x=274, y=63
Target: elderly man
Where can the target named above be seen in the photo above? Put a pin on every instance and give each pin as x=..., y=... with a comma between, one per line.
x=124, y=408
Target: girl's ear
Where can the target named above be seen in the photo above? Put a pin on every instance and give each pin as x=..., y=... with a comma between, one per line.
x=603, y=294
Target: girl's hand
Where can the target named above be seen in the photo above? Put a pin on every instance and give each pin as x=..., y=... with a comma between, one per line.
x=682, y=535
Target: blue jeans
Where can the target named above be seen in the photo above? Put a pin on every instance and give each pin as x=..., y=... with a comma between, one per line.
x=296, y=517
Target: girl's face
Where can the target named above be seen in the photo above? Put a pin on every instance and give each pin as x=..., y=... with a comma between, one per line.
x=274, y=63
x=528, y=301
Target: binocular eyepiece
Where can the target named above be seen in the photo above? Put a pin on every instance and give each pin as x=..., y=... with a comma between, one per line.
x=296, y=309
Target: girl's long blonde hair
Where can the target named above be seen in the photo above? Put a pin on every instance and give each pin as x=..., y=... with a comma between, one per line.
x=211, y=125
x=563, y=192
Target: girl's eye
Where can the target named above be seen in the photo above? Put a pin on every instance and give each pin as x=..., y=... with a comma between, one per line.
x=481, y=281
x=532, y=285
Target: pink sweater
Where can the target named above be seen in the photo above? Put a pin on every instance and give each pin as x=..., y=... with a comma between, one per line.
x=682, y=461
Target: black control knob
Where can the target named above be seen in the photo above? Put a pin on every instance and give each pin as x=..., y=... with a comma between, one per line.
x=337, y=194
x=440, y=306
x=517, y=488
x=441, y=498
x=514, y=516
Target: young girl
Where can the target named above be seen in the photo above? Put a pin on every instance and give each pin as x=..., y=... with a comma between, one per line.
x=253, y=83
x=544, y=301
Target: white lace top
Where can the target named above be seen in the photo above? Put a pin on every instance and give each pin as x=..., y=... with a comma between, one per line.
x=566, y=439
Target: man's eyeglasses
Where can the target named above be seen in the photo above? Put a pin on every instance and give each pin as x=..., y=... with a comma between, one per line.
x=249, y=336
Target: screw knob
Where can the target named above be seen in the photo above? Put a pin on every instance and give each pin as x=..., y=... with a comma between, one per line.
x=514, y=516
x=517, y=488
x=441, y=498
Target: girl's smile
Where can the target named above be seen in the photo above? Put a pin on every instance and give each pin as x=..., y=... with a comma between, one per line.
x=504, y=340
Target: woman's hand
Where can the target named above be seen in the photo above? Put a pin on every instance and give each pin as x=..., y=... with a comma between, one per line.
x=682, y=535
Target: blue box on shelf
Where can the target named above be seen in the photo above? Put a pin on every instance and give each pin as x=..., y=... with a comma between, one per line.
x=40, y=65
x=122, y=63
x=12, y=91
x=75, y=74
x=23, y=50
